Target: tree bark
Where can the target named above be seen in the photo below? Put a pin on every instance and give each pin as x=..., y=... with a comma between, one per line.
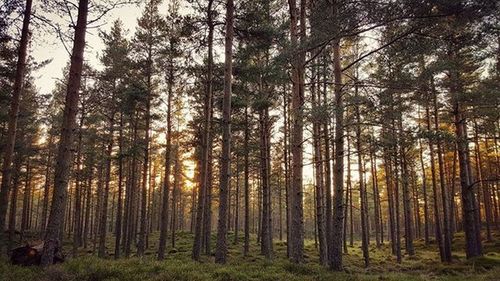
x=225, y=170
x=166, y=178
x=202, y=190
x=335, y=256
x=296, y=212
x=119, y=207
x=246, y=246
x=64, y=154
x=10, y=141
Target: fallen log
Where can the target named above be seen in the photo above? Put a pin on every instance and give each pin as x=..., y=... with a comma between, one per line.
x=31, y=255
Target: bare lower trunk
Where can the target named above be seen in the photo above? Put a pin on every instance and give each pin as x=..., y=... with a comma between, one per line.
x=104, y=214
x=246, y=246
x=225, y=170
x=202, y=191
x=338, y=215
x=296, y=113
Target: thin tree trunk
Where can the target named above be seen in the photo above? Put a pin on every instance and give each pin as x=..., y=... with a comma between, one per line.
x=225, y=170
x=444, y=189
x=296, y=196
x=201, y=206
x=119, y=211
x=237, y=203
x=424, y=189
x=175, y=191
x=437, y=221
x=362, y=187
x=318, y=168
x=78, y=191
x=166, y=178
x=46, y=186
x=266, y=238
x=13, y=200
x=410, y=250
x=335, y=256
x=104, y=214
x=376, y=196
x=246, y=246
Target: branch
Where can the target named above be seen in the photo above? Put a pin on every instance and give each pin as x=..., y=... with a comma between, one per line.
x=394, y=40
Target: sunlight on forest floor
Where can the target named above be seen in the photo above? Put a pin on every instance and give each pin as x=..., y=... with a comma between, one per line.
x=424, y=265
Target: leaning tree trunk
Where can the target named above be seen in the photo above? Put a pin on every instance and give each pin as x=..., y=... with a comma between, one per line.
x=64, y=154
x=225, y=170
x=13, y=115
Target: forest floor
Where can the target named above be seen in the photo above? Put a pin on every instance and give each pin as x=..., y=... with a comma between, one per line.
x=425, y=265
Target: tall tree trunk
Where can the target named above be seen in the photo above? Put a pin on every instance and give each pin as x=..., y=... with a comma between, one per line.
x=410, y=250
x=437, y=220
x=296, y=213
x=225, y=170
x=327, y=165
x=246, y=246
x=78, y=190
x=201, y=206
x=175, y=191
x=141, y=244
x=335, y=256
x=376, y=196
x=390, y=198
x=13, y=200
x=46, y=186
x=88, y=199
x=207, y=216
x=444, y=189
x=424, y=189
x=266, y=238
x=119, y=211
x=104, y=214
x=64, y=154
x=319, y=187
x=286, y=161
x=10, y=141
x=237, y=203
x=166, y=178
x=26, y=198
x=362, y=187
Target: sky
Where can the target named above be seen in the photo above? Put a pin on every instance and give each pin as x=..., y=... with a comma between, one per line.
x=48, y=46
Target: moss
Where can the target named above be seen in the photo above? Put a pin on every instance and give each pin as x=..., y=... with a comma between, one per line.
x=423, y=266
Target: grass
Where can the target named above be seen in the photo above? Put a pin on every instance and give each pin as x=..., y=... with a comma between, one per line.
x=424, y=265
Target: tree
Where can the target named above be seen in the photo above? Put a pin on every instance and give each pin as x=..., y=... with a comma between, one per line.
x=298, y=62
x=225, y=171
x=64, y=152
x=116, y=60
x=13, y=114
